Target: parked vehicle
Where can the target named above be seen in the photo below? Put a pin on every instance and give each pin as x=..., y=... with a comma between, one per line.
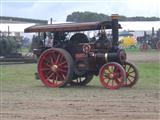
x=149, y=41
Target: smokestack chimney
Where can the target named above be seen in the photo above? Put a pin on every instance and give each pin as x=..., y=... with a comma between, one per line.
x=153, y=31
x=8, y=31
x=115, y=28
x=51, y=21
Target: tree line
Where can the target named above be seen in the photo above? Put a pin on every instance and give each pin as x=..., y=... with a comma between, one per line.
x=92, y=16
x=25, y=20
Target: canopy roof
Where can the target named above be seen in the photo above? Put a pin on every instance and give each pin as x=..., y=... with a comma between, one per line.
x=70, y=27
x=125, y=33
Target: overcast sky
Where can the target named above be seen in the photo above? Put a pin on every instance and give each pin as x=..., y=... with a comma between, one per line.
x=59, y=9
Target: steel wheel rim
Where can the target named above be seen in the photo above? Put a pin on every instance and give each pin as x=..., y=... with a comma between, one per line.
x=131, y=75
x=53, y=68
x=112, y=76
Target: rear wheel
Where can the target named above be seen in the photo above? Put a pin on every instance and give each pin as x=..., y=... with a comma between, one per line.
x=131, y=74
x=81, y=81
x=55, y=67
x=112, y=75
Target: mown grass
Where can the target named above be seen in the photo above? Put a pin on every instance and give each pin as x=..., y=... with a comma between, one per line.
x=135, y=50
x=17, y=75
x=18, y=82
x=149, y=75
x=22, y=75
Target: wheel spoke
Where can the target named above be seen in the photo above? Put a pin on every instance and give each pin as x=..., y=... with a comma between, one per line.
x=45, y=69
x=50, y=76
x=131, y=72
x=108, y=68
x=58, y=57
x=62, y=70
x=61, y=64
x=53, y=77
x=128, y=69
x=117, y=81
x=54, y=56
x=51, y=60
x=48, y=73
x=129, y=80
x=112, y=82
x=115, y=69
x=55, y=82
x=61, y=59
x=112, y=69
x=105, y=74
x=108, y=81
x=58, y=77
x=63, y=76
x=131, y=76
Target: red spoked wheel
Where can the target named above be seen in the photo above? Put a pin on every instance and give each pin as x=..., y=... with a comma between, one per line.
x=112, y=75
x=158, y=45
x=55, y=67
x=131, y=74
x=81, y=81
x=144, y=47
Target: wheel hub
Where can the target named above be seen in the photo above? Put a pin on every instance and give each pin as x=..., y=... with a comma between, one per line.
x=111, y=75
x=54, y=68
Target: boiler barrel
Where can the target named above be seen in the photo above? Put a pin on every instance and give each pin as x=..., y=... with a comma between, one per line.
x=119, y=56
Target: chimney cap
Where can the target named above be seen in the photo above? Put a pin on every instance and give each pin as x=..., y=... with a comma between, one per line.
x=114, y=16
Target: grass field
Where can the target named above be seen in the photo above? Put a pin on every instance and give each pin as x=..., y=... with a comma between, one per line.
x=23, y=75
x=25, y=98
x=135, y=50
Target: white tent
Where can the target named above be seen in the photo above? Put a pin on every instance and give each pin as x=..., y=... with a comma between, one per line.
x=140, y=26
x=15, y=27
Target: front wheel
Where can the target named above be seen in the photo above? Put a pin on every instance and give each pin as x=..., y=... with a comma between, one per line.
x=112, y=75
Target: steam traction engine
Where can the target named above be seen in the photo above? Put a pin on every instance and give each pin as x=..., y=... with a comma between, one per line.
x=150, y=40
x=75, y=60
